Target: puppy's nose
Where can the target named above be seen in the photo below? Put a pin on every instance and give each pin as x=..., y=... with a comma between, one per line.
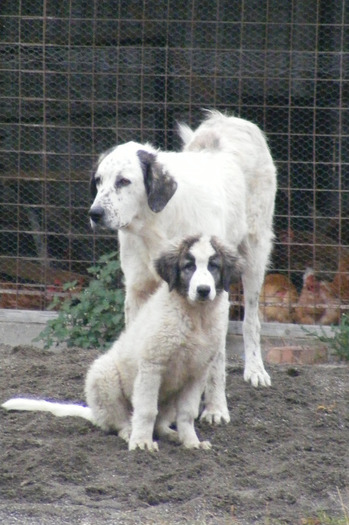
x=96, y=213
x=203, y=291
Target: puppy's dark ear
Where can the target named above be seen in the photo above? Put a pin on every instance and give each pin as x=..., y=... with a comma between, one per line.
x=168, y=268
x=159, y=185
x=232, y=269
x=233, y=264
x=93, y=186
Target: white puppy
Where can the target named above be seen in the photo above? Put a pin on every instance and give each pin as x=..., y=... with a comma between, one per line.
x=223, y=184
x=155, y=374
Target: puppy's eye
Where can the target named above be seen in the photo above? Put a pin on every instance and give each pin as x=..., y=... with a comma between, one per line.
x=189, y=267
x=213, y=266
x=97, y=181
x=122, y=182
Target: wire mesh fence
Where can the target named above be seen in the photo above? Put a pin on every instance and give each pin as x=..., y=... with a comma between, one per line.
x=78, y=76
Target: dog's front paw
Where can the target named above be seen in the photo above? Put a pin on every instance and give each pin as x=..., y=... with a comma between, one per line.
x=149, y=445
x=168, y=433
x=125, y=433
x=257, y=375
x=215, y=417
x=203, y=445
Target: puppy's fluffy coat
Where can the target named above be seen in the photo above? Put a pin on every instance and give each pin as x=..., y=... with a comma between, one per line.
x=155, y=374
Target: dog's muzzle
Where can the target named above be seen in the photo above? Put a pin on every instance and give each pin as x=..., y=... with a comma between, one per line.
x=96, y=214
x=203, y=292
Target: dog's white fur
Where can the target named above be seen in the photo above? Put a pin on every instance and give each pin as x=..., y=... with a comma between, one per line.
x=158, y=367
x=223, y=184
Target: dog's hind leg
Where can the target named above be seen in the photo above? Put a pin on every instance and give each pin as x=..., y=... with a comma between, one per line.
x=252, y=280
x=105, y=397
x=166, y=417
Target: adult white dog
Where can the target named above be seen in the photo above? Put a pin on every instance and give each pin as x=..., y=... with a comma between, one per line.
x=155, y=374
x=222, y=184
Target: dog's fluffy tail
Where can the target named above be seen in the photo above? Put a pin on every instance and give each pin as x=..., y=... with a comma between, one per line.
x=57, y=409
x=185, y=132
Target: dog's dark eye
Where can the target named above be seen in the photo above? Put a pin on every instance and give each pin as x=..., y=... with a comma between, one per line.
x=213, y=266
x=122, y=182
x=189, y=267
x=97, y=181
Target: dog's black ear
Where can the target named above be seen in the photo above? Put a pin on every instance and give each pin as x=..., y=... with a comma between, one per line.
x=93, y=186
x=168, y=268
x=232, y=270
x=159, y=185
x=233, y=264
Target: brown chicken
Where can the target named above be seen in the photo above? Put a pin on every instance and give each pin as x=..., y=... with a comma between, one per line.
x=277, y=299
x=340, y=283
x=318, y=303
x=20, y=297
x=236, y=302
x=32, y=297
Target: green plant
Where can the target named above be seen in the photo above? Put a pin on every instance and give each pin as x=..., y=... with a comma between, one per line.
x=339, y=341
x=93, y=317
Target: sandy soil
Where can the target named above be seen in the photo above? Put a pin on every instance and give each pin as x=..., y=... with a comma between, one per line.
x=283, y=458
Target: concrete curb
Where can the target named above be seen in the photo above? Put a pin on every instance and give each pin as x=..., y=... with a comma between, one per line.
x=281, y=343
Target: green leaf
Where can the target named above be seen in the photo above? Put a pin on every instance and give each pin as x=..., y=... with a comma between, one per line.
x=69, y=286
x=94, y=317
x=339, y=341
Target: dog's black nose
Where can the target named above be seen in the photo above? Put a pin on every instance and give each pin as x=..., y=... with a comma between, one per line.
x=203, y=291
x=96, y=213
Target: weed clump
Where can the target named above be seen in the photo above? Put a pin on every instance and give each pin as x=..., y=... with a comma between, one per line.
x=92, y=317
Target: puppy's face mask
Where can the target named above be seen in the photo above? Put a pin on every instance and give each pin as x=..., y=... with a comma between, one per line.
x=200, y=268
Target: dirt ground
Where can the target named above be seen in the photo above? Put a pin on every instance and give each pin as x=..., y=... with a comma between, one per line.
x=284, y=458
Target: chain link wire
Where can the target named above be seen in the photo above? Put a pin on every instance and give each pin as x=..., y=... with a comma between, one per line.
x=78, y=76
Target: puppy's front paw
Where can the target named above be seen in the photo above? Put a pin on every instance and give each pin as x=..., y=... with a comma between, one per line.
x=149, y=445
x=125, y=433
x=215, y=416
x=257, y=374
x=168, y=433
x=203, y=445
